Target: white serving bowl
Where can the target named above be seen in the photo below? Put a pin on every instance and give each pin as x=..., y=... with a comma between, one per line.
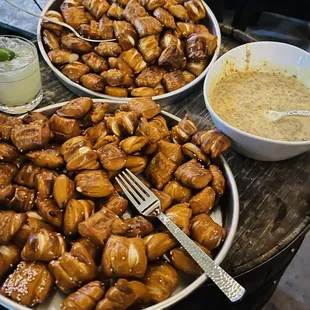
x=267, y=56
x=210, y=21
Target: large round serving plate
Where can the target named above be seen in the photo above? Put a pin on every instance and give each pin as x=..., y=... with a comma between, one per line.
x=226, y=214
x=210, y=21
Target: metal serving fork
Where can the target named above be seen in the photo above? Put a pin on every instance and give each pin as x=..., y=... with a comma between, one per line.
x=57, y=22
x=149, y=205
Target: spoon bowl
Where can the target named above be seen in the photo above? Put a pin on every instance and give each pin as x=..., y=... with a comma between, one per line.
x=276, y=115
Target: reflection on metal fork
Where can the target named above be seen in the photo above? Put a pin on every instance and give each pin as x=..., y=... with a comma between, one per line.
x=149, y=205
x=56, y=22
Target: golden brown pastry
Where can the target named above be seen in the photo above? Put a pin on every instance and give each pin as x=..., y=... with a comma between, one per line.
x=161, y=280
x=30, y=284
x=149, y=48
x=43, y=245
x=165, y=18
x=189, y=77
x=93, y=183
x=195, y=10
x=143, y=92
x=196, y=67
x=44, y=182
x=98, y=227
x=76, y=212
x=108, y=49
x=184, y=130
x=90, y=247
x=159, y=170
x=117, y=204
x=183, y=261
x=119, y=297
x=84, y=298
x=60, y=57
x=75, y=44
x=172, y=151
x=106, y=28
x=193, y=151
x=111, y=157
x=172, y=58
x=7, y=173
x=143, y=107
x=64, y=128
x=133, y=10
x=116, y=91
x=196, y=47
x=95, y=132
x=152, y=4
x=183, y=30
x=124, y=257
x=159, y=90
x=150, y=77
x=169, y=39
x=63, y=190
x=138, y=227
x=75, y=70
x=93, y=82
x=74, y=16
x=17, y=198
x=173, y=80
x=123, y=66
x=73, y=269
x=180, y=214
x=33, y=224
x=51, y=40
x=32, y=136
x=96, y=7
x=122, y=124
x=95, y=62
x=26, y=175
x=94, y=31
x=10, y=224
x=134, y=59
x=34, y=116
x=203, y=201
x=132, y=144
x=9, y=256
x=106, y=140
x=218, y=182
x=96, y=114
x=165, y=199
x=158, y=244
x=206, y=232
x=136, y=164
x=193, y=175
x=48, y=158
x=211, y=39
x=115, y=77
x=57, y=29
x=179, y=12
x=142, y=294
x=125, y=34
x=115, y=11
x=50, y=212
x=178, y=192
x=6, y=125
x=147, y=26
x=211, y=142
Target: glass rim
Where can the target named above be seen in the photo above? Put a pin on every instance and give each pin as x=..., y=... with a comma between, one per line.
x=35, y=56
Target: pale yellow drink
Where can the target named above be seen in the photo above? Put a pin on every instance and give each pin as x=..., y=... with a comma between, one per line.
x=20, y=78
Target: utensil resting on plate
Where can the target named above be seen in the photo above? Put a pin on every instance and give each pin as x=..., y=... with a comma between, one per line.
x=149, y=205
x=276, y=115
x=57, y=22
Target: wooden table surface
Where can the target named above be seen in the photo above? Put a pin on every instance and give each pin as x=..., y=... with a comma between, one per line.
x=274, y=196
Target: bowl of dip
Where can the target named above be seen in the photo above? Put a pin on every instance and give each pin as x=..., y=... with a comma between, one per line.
x=248, y=81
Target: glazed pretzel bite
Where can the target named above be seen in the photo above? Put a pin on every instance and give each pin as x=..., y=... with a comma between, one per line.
x=75, y=44
x=75, y=70
x=125, y=34
x=148, y=47
x=95, y=62
x=50, y=40
x=60, y=57
x=96, y=7
x=63, y=216
x=57, y=29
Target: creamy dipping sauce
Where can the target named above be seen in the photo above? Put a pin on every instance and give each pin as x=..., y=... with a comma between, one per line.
x=242, y=98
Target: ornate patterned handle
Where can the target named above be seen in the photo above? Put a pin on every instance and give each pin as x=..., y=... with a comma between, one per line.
x=298, y=112
x=231, y=288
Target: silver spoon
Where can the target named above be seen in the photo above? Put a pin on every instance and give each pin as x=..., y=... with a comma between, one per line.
x=56, y=22
x=276, y=115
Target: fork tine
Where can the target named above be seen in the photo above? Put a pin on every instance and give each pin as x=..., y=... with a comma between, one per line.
x=127, y=193
x=135, y=186
x=146, y=190
x=132, y=192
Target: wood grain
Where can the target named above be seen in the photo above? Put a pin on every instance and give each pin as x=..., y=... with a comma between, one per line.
x=274, y=197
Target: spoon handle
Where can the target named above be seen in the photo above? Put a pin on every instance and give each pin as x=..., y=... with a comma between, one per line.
x=298, y=112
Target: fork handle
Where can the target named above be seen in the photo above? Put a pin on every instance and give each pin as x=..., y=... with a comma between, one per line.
x=230, y=287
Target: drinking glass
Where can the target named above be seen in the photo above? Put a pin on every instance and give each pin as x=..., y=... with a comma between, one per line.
x=20, y=78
